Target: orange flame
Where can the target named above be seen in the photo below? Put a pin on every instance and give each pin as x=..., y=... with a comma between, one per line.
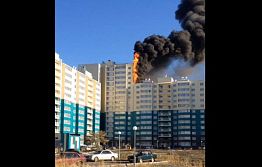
x=135, y=71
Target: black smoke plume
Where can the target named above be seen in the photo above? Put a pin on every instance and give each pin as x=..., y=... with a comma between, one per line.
x=157, y=52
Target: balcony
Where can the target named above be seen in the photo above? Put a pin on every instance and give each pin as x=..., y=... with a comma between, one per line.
x=164, y=119
x=56, y=124
x=57, y=102
x=165, y=124
x=89, y=116
x=57, y=109
x=165, y=130
x=165, y=114
x=165, y=135
x=57, y=117
x=89, y=128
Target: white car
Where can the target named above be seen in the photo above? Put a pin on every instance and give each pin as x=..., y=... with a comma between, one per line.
x=102, y=155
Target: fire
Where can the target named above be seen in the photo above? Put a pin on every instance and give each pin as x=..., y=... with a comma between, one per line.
x=135, y=75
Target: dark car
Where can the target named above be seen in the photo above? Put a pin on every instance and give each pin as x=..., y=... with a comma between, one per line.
x=143, y=156
x=70, y=158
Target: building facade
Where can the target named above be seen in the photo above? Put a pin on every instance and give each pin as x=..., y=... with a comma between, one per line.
x=77, y=100
x=167, y=112
x=115, y=78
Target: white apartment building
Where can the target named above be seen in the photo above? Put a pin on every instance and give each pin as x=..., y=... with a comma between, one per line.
x=78, y=101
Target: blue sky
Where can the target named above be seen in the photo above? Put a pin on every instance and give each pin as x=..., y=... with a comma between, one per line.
x=92, y=31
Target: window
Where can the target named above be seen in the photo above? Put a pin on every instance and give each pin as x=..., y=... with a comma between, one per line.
x=106, y=152
x=69, y=75
x=184, y=138
x=183, y=84
x=183, y=89
x=67, y=122
x=120, y=72
x=184, y=116
x=146, y=133
x=183, y=127
x=67, y=81
x=146, y=117
x=110, y=69
x=184, y=132
x=183, y=121
x=183, y=100
x=67, y=108
x=183, y=94
x=110, y=78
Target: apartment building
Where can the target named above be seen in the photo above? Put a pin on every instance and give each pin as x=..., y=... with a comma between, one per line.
x=167, y=112
x=115, y=78
x=58, y=88
x=78, y=101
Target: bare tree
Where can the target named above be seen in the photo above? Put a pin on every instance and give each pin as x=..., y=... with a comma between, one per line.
x=96, y=139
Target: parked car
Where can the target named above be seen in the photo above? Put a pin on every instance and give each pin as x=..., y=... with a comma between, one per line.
x=102, y=155
x=70, y=158
x=143, y=156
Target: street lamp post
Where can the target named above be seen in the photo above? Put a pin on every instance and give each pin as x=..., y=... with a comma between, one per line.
x=119, y=133
x=134, y=128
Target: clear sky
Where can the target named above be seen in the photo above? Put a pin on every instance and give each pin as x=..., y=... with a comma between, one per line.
x=92, y=31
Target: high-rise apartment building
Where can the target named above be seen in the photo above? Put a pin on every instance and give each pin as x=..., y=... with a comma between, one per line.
x=167, y=112
x=78, y=101
x=115, y=78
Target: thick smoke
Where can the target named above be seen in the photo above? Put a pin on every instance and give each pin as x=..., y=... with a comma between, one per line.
x=157, y=52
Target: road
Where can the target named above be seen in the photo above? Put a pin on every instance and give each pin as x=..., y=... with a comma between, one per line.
x=120, y=163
